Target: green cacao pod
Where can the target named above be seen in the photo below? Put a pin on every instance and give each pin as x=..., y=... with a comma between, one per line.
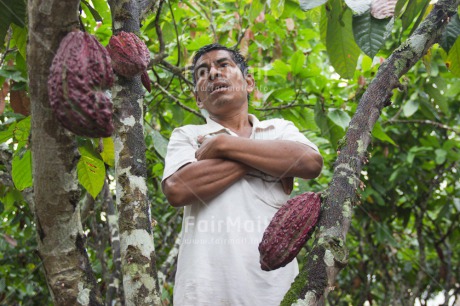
x=80, y=74
x=130, y=56
x=288, y=231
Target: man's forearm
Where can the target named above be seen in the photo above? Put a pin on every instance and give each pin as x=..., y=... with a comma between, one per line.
x=279, y=158
x=202, y=180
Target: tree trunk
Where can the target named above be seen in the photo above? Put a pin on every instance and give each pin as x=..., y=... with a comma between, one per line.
x=61, y=241
x=138, y=258
x=329, y=253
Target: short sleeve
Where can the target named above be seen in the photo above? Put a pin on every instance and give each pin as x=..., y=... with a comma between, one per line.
x=181, y=151
x=288, y=131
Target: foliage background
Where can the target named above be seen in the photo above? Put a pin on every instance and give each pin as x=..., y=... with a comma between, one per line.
x=403, y=237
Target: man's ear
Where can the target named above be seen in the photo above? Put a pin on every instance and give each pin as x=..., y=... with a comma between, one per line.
x=251, y=83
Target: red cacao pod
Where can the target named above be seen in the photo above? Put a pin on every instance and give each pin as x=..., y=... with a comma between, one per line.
x=145, y=79
x=130, y=56
x=80, y=73
x=288, y=231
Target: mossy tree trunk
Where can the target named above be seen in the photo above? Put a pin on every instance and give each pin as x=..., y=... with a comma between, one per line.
x=329, y=254
x=140, y=282
x=61, y=241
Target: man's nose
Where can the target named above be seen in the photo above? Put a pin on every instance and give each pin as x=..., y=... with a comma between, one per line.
x=214, y=73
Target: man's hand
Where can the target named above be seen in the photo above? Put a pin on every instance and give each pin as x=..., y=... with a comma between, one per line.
x=210, y=147
x=288, y=184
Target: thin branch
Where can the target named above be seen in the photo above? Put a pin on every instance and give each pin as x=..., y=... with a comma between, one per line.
x=169, y=262
x=429, y=122
x=7, y=47
x=180, y=104
x=158, y=28
x=157, y=59
x=284, y=107
x=240, y=38
x=177, y=34
x=209, y=17
x=177, y=71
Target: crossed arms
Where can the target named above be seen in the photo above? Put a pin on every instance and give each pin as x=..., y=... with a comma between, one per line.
x=224, y=159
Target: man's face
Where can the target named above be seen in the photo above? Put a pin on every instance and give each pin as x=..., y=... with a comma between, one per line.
x=220, y=83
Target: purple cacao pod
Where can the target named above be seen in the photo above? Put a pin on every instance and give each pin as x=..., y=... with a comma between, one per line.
x=288, y=231
x=130, y=56
x=79, y=75
x=145, y=79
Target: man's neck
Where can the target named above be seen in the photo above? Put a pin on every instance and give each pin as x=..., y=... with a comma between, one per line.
x=238, y=123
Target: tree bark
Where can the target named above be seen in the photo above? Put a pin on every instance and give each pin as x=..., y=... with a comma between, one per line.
x=140, y=282
x=115, y=294
x=61, y=241
x=329, y=253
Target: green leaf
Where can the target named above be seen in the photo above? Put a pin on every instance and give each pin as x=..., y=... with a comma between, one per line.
x=12, y=74
x=453, y=58
x=339, y=117
x=281, y=67
x=256, y=8
x=21, y=171
x=199, y=42
x=369, y=33
x=309, y=4
x=383, y=234
x=91, y=171
x=410, y=107
x=438, y=98
x=323, y=25
x=412, y=10
x=329, y=129
x=341, y=47
x=102, y=8
x=284, y=94
x=160, y=143
x=5, y=135
x=378, y=133
x=277, y=7
x=399, y=7
x=359, y=6
x=20, y=38
x=440, y=156
x=108, y=153
x=22, y=130
x=11, y=11
x=297, y=61
x=95, y=13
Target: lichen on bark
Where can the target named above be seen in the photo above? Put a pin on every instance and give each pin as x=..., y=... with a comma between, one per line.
x=140, y=282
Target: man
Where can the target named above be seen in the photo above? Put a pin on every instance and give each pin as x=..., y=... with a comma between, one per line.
x=231, y=175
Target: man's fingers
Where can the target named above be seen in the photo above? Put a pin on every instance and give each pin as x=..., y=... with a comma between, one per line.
x=288, y=184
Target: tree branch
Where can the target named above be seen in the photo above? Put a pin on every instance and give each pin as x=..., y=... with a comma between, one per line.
x=177, y=101
x=284, y=107
x=429, y=122
x=178, y=71
x=61, y=240
x=158, y=28
x=137, y=250
x=329, y=254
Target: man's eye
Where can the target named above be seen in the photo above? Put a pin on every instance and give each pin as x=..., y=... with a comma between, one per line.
x=202, y=73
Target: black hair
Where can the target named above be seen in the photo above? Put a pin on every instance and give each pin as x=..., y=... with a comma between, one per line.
x=239, y=59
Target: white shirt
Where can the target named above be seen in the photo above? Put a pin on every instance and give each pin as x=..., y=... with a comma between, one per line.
x=218, y=260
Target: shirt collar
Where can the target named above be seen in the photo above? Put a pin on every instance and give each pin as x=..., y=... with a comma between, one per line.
x=214, y=127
